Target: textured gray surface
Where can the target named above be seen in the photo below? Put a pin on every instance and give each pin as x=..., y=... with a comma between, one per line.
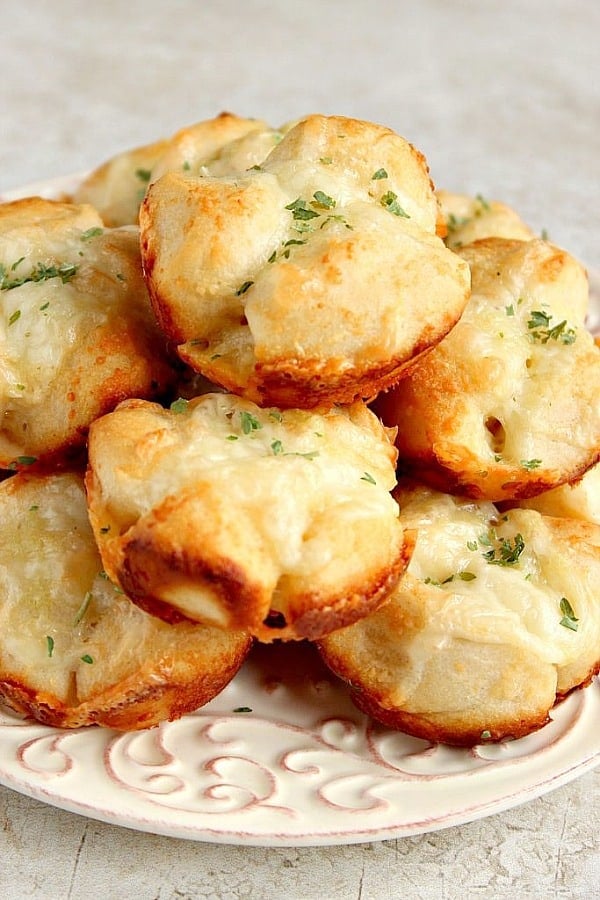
x=503, y=98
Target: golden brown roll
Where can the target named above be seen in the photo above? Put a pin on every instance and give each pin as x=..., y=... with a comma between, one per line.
x=222, y=512
x=508, y=404
x=78, y=333
x=73, y=649
x=497, y=617
x=314, y=278
x=469, y=219
x=224, y=145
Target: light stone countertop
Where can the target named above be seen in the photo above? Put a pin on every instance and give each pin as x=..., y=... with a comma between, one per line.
x=503, y=98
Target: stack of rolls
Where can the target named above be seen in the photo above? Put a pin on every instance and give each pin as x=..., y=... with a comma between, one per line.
x=267, y=384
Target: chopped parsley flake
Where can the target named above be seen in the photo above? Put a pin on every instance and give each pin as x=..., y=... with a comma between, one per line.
x=510, y=310
x=41, y=272
x=541, y=331
x=179, y=405
x=456, y=576
x=50, y=645
x=242, y=709
x=301, y=211
x=453, y=222
x=86, y=658
x=22, y=461
x=379, y=174
x=322, y=201
x=83, y=608
x=390, y=202
x=91, y=233
x=485, y=735
x=276, y=415
x=143, y=174
x=243, y=288
x=336, y=218
x=531, y=463
x=569, y=619
x=366, y=476
x=483, y=203
x=14, y=317
x=505, y=553
x=277, y=447
x=249, y=422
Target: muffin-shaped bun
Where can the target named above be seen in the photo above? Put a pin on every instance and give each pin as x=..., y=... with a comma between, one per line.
x=222, y=512
x=496, y=618
x=78, y=330
x=508, y=404
x=469, y=219
x=314, y=278
x=73, y=649
x=117, y=187
x=224, y=145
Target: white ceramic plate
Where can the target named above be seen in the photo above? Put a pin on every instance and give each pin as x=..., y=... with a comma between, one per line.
x=282, y=757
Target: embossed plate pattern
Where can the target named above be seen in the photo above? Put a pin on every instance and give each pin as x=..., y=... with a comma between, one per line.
x=301, y=767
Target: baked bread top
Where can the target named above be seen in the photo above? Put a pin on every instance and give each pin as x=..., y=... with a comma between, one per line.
x=314, y=278
x=508, y=404
x=77, y=330
x=223, y=512
x=496, y=617
x=73, y=649
x=469, y=219
x=224, y=145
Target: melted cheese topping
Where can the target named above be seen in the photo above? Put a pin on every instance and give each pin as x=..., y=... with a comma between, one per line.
x=518, y=602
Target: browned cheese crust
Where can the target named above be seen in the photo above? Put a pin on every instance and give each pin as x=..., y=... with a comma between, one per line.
x=508, y=404
x=496, y=619
x=74, y=650
x=314, y=278
x=223, y=512
x=79, y=334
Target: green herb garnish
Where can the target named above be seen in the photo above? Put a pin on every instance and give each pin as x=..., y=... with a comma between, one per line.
x=179, y=406
x=322, y=201
x=531, y=463
x=379, y=174
x=505, y=553
x=569, y=619
x=390, y=202
x=83, y=608
x=541, y=331
x=41, y=272
x=91, y=233
x=249, y=422
x=301, y=211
